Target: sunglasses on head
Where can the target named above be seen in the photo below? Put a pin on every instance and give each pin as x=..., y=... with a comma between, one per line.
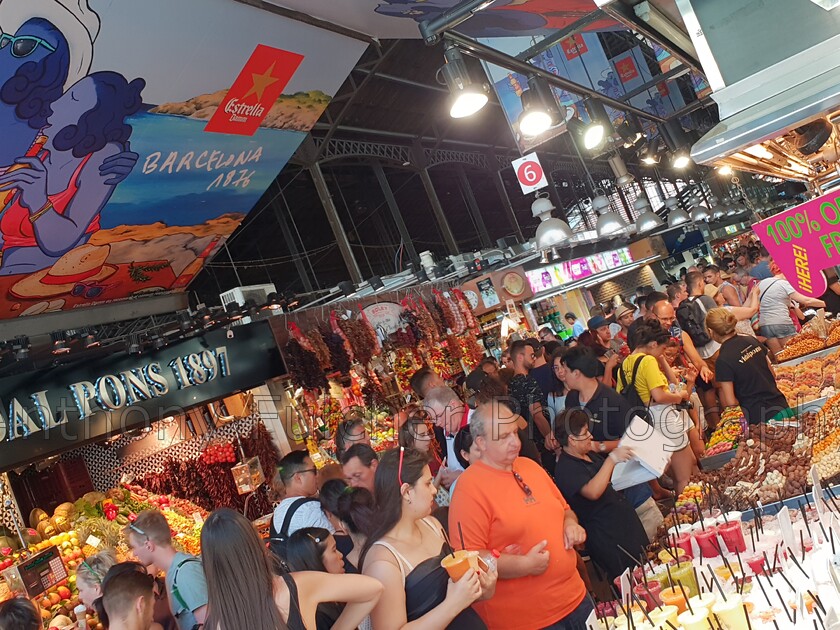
x=24, y=45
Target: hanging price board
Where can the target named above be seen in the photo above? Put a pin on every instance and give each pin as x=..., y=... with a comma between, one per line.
x=529, y=173
x=804, y=240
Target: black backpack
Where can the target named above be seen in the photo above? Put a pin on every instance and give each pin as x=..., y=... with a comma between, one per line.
x=278, y=541
x=691, y=314
x=629, y=391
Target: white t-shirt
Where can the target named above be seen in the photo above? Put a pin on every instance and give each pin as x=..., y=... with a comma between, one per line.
x=307, y=515
x=774, y=308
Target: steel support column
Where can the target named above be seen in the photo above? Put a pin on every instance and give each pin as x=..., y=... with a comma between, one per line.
x=472, y=206
x=293, y=247
x=395, y=210
x=499, y=181
x=420, y=162
x=335, y=223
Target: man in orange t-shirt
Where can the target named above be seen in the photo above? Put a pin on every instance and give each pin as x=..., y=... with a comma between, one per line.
x=508, y=503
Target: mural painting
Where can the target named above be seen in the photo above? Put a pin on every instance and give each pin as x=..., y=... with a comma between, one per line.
x=136, y=136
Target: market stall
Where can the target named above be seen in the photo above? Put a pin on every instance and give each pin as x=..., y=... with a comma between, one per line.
x=178, y=430
x=355, y=360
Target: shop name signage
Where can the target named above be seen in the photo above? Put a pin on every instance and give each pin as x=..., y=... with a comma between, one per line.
x=803, y=241
x=113, y=392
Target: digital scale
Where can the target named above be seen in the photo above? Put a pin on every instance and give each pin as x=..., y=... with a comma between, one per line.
x=37, y=573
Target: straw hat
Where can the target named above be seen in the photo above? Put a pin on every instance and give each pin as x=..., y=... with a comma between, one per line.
x=85, y=263
x=74, y=18
x=711, y=290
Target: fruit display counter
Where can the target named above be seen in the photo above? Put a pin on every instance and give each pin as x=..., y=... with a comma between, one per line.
x=90, y=525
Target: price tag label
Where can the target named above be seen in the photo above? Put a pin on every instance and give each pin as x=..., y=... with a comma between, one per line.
x=93, y=541
x=197, y=518
x=803, y=241
x=529, y=173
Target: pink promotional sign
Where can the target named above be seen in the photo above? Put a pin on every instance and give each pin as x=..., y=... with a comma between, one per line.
x=805, y=240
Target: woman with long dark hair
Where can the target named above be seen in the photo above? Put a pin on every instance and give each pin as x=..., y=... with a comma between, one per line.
x=404, y=551
x=314, y=549
x=241, y=578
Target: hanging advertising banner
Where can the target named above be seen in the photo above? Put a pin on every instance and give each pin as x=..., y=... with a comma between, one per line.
x=803, y=241
x=136, y=136
x=50, y=411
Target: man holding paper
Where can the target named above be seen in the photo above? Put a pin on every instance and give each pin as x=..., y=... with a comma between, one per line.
x=583, y=477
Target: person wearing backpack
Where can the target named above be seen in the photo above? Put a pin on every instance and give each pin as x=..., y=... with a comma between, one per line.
x=641, y=371
x=301, y=507
x=150, y=540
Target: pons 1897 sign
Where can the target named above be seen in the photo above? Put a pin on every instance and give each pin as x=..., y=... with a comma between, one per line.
x=44, y=413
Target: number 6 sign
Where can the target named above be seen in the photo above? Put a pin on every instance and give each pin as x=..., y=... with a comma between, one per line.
x=529, y=173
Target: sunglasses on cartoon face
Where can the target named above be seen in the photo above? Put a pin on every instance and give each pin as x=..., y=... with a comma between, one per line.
x=88, y=290
x=24, y=45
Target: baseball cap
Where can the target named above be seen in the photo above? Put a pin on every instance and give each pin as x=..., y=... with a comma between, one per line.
x=596, y=322
x=475, y=380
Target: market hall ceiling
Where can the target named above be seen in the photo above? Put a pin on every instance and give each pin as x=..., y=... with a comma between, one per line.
x=137, y=136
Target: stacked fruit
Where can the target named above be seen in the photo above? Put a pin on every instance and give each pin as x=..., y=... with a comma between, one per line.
x=729, y=432
x=221, y=453
x=691, y=495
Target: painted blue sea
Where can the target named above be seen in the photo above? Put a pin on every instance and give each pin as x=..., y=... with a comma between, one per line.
x=185, y=176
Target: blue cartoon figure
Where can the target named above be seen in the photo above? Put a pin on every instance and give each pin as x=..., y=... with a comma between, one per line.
x=45, y=47
x=57, y=195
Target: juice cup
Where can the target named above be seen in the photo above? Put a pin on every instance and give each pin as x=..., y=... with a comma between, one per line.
x=731, y=612
x=707, y=541
x=723, y=573
x=660, y=574
x=706, y=600
x=696, y=620
x=683, y=574
x=683, y=541
x=733, y=536
x=459, y=563
x=755, y=563
x=621, y=621
x=664, y=613
x=648, y=593
x=673, y=597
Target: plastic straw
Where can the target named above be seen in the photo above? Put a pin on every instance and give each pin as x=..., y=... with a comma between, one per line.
x=630, y=555
x=687, y=603
x=752, y=537
x=784, y=605
x=747, y=615
x=644, y=612
x=761, y=586
x=461, y=536
x=798, y=566
x=716, y=583
x=805, y=518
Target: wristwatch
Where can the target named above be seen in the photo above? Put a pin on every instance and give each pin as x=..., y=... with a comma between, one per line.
x=601, y=447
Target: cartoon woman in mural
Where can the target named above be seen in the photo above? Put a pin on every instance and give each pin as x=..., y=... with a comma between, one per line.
x=61, y=191
x=46, y=46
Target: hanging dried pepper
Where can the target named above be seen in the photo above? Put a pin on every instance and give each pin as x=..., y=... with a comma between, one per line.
x=453, y=348
x=358, y=335
x=439, y=362
x=334, y=319
x=377, y=344
x=339, y=360
x=471, y=351
x=466, y=309
x=404, y=366
x=303, y=366
x=297, y=334
x=319, y=348
x=426, y=328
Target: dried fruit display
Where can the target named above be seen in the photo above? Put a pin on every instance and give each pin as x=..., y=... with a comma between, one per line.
x=339, y=359
x=799, y=348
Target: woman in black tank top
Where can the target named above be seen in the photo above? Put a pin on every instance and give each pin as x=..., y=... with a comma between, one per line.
x=240, y=579
x=405, y=549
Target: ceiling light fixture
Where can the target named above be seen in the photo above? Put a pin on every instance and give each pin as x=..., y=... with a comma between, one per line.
x=596, y=132
x=539, y=108
x=21, y=347
x=649, y=153
x=609, y=222
x=647, y=220
x=467, y=98
x=676, y=215
x=59, y=340
x=551, y=231
x=619, y=169
x=759, y=151
x=89, y=340
x=699, y=213
x=725, y=170
x=681, y=159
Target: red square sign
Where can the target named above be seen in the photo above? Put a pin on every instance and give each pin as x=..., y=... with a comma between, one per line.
x=574, y=46
x=255, y=90
x=626, y=69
